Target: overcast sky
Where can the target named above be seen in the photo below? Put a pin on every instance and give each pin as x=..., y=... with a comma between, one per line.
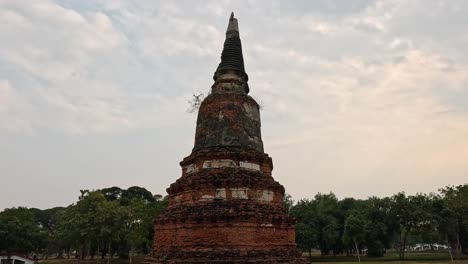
x=360, y=98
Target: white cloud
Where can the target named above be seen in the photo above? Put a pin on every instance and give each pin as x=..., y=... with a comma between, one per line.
x=364, y=94
x=77, y=65
x=14, y=109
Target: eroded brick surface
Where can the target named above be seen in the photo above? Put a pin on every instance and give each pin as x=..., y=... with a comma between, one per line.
x=228, y=119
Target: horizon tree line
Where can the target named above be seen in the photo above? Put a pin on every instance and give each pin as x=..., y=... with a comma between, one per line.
x=119, y=222
x=349, y=226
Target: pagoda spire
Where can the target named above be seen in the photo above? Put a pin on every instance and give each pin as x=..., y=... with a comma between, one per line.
x=232, y=60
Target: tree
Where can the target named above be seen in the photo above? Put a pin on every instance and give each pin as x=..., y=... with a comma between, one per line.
x=139, y=216
x=346, y=207
x=305, y=237
x=326, y=222
x=48, y=221
x=288, y=202
x=379, y=227
x=19, y=231
x=136, y=192
x=411, y=214
x=456, y=216
x=354, y=232
x=306, y=233
x=84, y=222
x=112, y=193
x=320, y=216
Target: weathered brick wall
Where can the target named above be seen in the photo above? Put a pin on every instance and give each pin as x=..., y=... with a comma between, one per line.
x=228, y=119
x=228, y=210
x=242, y=236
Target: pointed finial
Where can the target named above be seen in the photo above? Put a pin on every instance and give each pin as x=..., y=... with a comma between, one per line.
x=233, y=28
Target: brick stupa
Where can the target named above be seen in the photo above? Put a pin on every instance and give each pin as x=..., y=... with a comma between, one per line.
x=226, y=207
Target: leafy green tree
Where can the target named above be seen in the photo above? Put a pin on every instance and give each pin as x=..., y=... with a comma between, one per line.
x=456, y=218
x=320, y=216
x=85, y=220
x=288, y=202
x=326, y=223
x=137, y=224
x=19, y=231
x=346, y=207
x=136, y=192
x=112, y=193
x=379, y=225
x=354, y=232
x=306, y=232
x=48, y=221
x=411, y=214
x=403, y=215
x=305, y=237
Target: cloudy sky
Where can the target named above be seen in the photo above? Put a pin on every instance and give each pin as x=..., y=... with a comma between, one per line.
x=360, y=98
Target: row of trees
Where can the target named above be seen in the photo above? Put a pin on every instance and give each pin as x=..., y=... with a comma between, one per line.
x=113, y=221
x=376, y=224
x=103, y=222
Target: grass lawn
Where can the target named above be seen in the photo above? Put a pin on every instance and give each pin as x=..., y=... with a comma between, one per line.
x=410, y=258
x=135, y=260
x=405, y=262
x=389, y=258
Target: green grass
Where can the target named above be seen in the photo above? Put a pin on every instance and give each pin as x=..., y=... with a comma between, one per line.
x=97, y=260
x=419, y=257
x=404, y=262
x=389, y=258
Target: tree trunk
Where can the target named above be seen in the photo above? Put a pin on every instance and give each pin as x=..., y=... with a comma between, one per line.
x=109, y=253
x=405, y=236
x=450, y=253
x=92, y=251
x=130, y=255
x=104, y=251
x=89, y=252
x=95, y=252
x=357, y=250
x=310, y=252
x=449, y=248
x=458, y=249
x=81, y=254
x=399, y=246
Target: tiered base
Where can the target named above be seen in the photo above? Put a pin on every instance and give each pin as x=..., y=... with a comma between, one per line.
x=226, y=208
